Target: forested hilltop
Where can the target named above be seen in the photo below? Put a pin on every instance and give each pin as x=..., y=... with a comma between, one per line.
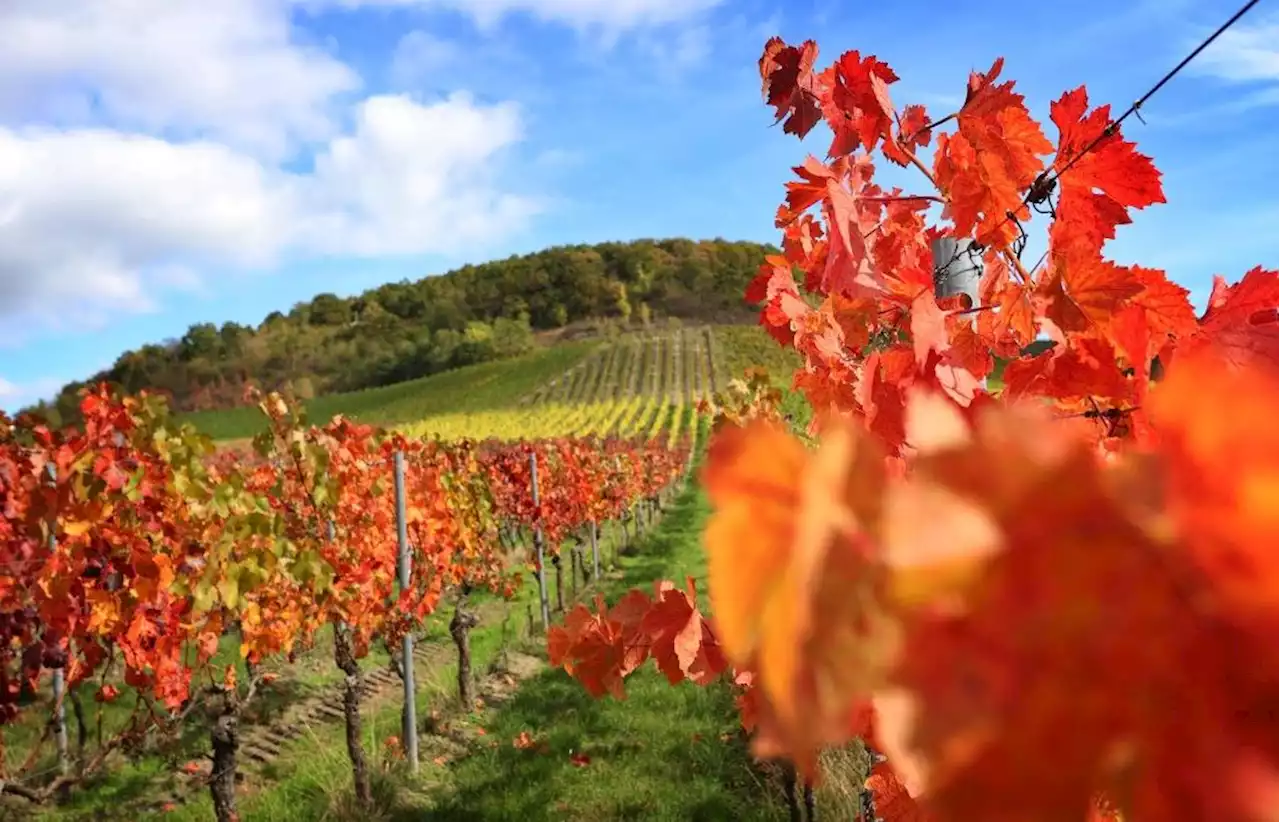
x=404, y=330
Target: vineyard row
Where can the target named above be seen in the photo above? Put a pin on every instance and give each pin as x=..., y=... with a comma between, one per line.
x=639, y=385
x=676, y=366
x=131, y=552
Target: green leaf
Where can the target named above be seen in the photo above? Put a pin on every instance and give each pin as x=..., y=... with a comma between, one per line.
x=202, y=597
x=131, y=487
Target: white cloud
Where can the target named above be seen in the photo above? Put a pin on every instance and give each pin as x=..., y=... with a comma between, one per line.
x=413, y=178
x=94, y=222
x=91, y=213
x=676, y=53
x=1246, y=60
x=143, y=142
x=230, y=70
x=1247, y=52
x=14, y=396
x=610, y=15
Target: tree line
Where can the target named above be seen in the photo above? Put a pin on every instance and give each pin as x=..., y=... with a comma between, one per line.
x=404, y=330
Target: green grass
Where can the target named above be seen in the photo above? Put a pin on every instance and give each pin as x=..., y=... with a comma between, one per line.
x=656, y=756
x=497, y=384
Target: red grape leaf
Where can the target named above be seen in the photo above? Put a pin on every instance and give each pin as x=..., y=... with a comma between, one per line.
x=789, y=84
x=1097, y=187
x=994, y=156
x=1240, y=324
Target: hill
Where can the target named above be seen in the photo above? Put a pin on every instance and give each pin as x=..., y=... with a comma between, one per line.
x=469, y=389
x=407, y=330
x=642, y=382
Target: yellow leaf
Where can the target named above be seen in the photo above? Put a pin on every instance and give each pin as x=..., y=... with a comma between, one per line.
x=76, y=528
x=229, y=588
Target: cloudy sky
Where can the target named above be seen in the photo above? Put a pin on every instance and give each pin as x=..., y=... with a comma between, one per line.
x=167, y=162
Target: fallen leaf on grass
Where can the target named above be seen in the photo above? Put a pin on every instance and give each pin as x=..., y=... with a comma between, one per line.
x=580, y=760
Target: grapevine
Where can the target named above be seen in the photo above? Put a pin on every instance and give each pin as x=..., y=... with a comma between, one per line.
x=1052, y=601
x=130, y=548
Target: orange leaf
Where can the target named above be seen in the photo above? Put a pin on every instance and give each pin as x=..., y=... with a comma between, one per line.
x=790, y=577
x=681, y=641
x=989, y=668
x=994, y=156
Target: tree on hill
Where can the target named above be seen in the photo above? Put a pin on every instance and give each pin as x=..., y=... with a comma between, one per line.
x=404, y=330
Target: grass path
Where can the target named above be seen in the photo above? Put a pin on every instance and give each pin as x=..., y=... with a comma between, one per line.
x=666, y=753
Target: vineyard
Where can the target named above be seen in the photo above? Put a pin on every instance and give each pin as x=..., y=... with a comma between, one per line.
x=491, y=385
x=177, y=598
x=637, y=383
x=643, y=384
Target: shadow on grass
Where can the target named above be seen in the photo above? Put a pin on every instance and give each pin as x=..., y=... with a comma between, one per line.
x=98, y=795
x=118, y=788
x=269, y=704
x=664, y=753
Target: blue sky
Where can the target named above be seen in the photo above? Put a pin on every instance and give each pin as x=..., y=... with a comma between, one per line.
x=171, y=162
